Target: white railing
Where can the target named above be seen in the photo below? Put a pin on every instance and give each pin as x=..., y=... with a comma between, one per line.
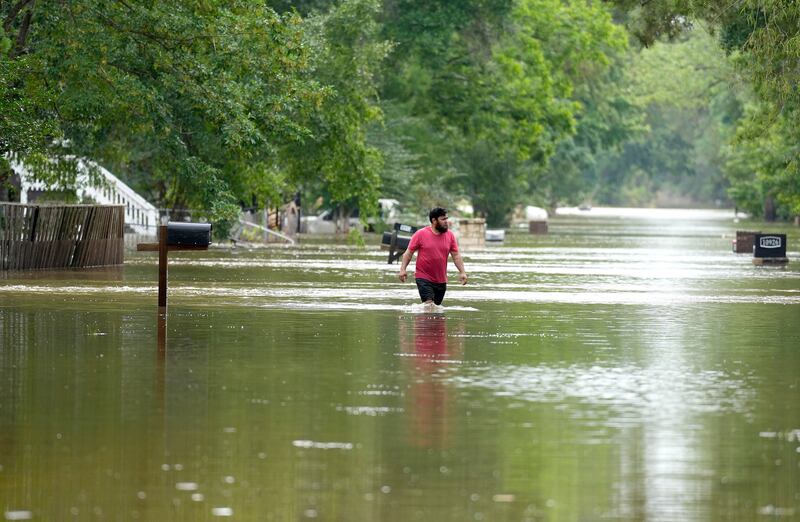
x=140, y=215
x=266, y=231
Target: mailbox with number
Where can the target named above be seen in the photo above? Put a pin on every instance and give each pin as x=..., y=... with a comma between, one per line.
x=769, y=249
x=770, y=245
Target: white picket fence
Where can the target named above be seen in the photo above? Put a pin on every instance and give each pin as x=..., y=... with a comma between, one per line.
x=140, y=215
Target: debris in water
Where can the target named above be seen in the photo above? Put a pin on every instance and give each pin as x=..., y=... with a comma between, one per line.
x=322, y=445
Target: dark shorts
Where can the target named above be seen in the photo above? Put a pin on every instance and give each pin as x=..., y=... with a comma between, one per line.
x=430, y=291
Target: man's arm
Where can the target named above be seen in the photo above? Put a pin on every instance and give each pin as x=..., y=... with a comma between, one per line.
x=462, y=274
x=407, y=255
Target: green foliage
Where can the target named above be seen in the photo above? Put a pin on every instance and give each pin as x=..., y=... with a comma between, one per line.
x=27, y=119
x=214, y=105
x=480, y=102
x=690, y=113
x=769, y=139
x=556, y=69
x=347, y=55
x=444, y=101
x=763, y=39
x=736, y=30
x=608, y=117
x=762, y=164
x=356, y=238
x=181, y=98
x=417, y=157
x=651, y=21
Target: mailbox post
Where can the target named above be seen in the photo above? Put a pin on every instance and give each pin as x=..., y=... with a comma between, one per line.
x=171, y=237
x=396, y=244
x=162, y=268
x=175, y=236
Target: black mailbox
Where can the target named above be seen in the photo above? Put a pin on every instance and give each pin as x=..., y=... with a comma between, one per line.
x=395, y=243
x=400, y=244
x=769, y=245
x=188, y=234
x=405, y=228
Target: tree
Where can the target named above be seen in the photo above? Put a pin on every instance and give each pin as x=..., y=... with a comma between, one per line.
x=762, y=39
x=763, y=166
x=431, y=88
x=337, y=160
x=608, y=118
x=496, y=89
x=179, y=98
x=687, y=90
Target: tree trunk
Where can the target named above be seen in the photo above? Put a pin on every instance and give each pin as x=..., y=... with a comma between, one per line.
x=770, y=213
x=342, y=222
x=4, y=196
x=552, y=207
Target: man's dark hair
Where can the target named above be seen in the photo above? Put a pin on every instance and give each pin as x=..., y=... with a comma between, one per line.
x=437, y=212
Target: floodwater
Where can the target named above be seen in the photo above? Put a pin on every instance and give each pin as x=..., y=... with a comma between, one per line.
x=626, y=366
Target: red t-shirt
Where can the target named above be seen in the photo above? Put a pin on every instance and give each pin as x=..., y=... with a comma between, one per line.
x=433, y=252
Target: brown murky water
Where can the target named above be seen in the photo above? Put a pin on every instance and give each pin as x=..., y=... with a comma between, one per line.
x=626, y=366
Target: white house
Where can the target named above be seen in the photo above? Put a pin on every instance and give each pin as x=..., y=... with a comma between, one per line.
x=140, y=215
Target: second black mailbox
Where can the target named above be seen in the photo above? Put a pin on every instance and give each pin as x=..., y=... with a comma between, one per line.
x=401, y=243
x=188, y=234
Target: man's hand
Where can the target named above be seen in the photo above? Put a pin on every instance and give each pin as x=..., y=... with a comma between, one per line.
x=462, y=273
x=402, y=275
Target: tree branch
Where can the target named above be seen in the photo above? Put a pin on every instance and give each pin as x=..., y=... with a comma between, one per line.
x=22, y=36
x=13, y=12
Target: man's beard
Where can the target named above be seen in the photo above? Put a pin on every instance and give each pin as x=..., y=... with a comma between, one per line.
x=440, y=227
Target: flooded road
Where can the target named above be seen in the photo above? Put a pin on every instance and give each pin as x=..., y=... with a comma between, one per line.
x=626, y=366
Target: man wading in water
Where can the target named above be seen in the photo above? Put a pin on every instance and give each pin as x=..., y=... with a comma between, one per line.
x=434, y=244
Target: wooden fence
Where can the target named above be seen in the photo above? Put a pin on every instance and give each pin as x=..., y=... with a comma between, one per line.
x=60, y=236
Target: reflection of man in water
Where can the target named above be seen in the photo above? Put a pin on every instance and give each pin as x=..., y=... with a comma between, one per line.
x=434, y=244
x=428, y=401
x=429, y=405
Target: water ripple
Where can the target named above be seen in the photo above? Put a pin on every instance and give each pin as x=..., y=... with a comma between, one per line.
x=632, y=392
